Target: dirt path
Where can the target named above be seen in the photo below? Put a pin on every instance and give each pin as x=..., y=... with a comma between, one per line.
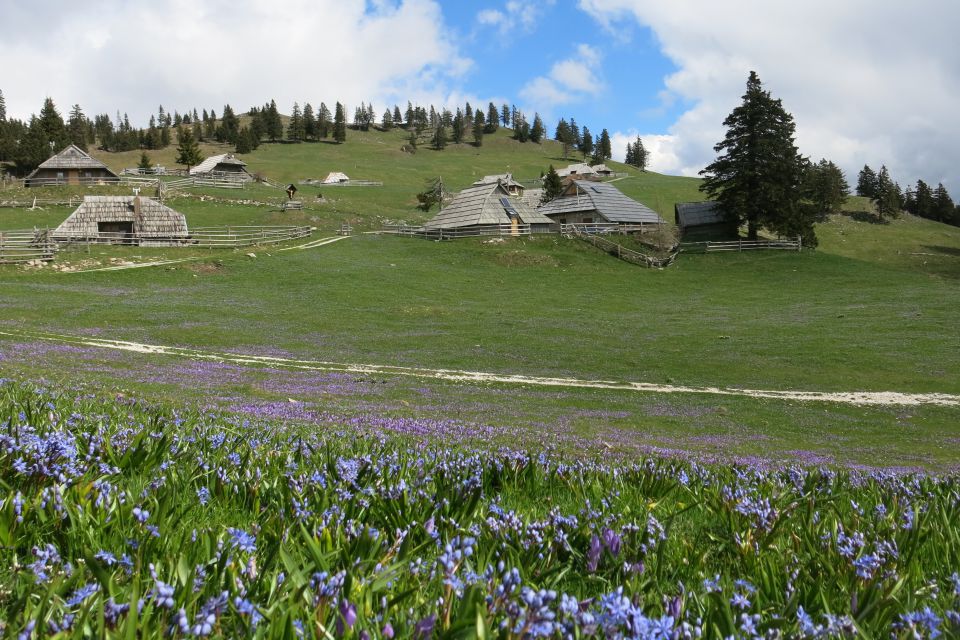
x=875, y=398
x=313, y=244
x=137, y=265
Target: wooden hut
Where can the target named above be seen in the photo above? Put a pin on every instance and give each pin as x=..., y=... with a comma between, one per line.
x=225, y=165
x=586, y=202
x=486, y=205
x=602, y=170
x=336, y=177
x=513, y=187
x=700, y=221
x=123, y=220
x=579, y=171
x=73, y=165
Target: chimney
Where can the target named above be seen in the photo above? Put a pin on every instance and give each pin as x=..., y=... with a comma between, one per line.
x=136, y=206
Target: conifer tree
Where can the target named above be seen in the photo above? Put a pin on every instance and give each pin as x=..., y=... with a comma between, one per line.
x=492, y=120
x=505, y=115
x=144, y=163
x=339, y=125
x=575, y=133
x=3, y=108
x=323, y=121
x=757, y=176
x=586, y=143
x=552, y=186
x=188, y=150
x=888, y=198
x=478, y=128
x=826, y=188
x=468, y=113
x=77, y=127
x=603, y=149
x=295, y=127
x=309, y=123
x=387, y=121
x=921, y=202
x=867, y=183
x=51, y=128
x=537, y=131
x=458, y=127
x=439, y=140
x=273, y=122
x=943, y=206
x=397, y=116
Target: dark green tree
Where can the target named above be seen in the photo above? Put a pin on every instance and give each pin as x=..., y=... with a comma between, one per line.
x=323, y=121
x=492, y=120
x=920, y=201
x=229, y=127
x=537, y=131
x=309, y=123
x=77, y=127
x=943, y=206
x=888, y=199
x=757, y=175
x=144, y=163
x=274, y=125
x=575, y=132
x=439, y=139
x=397, y=116
x=603, y=150
x=458, y=127
x=586, y=143
x=387, y=121
x=339, y=125
x=296, y=130
x=826, y=188
x=478, y=128
x=867, y=183
x=636, y=154
x=188, y=149
x=564, y=136
x=433, y=194
x=552, y=186
x=51, y=127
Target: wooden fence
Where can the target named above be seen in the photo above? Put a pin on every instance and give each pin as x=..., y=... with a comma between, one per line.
x=205, y=237
x=628, y=255
x=26, y=245
x=468, y=232
x=55, y=182
x=712, y=246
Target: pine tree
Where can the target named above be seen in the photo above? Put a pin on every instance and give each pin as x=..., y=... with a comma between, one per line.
x=564, y=136
x=339, y=125
x=77, y=127
x=229, y=126
x=144, y=163
x=295, y=128
x=867, y=183
x=397, y=116
x=468, y=113
x=505, y=115
x=757, y=176
x=273, y=122
x=636, y=154
x=826, y=188
x=575, y=132
x=943, y=206
x=552, y=186
x=586, y=144
x=3, y=108
x=51, y=127
x=888, y=199
x=478, y=128
x=188, y=150
x=309, y=123
x=387, y=122
x=458, y=127
x=439, y=140
x=492, y=121
x=537, y=131
x=323, y=121
x=921, y=204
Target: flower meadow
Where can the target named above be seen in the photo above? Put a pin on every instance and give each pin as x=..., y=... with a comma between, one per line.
x=122, y=519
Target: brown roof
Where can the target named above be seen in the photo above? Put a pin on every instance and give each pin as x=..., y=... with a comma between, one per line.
x=73, y=157
x=156, y=220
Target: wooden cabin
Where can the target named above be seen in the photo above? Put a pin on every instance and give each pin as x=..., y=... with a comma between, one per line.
x=486, y=205
x=588, y=202
x=73, y=166
x=514, y=188
x=136, y=220
x=225, y=165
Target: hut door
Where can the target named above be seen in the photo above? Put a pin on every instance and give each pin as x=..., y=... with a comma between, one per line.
x=514, y=226
x=119, y=232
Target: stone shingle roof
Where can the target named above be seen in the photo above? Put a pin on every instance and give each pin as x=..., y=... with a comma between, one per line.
x=212, y=162
x=73, y=157
x=156, y=220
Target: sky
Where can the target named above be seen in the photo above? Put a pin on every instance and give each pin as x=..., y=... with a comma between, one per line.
x=867, y=82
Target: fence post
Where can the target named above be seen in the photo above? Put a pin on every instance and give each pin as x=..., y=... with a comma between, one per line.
x=739, y=245
x=799, y=240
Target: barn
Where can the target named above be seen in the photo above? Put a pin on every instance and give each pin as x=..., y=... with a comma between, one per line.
x=73, y=165
x=225, y=165
x=587, y=202
x=701, y=221
x=487, y=205
x=123, y=220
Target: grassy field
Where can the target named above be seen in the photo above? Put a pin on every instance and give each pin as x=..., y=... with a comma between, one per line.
x=874, y=308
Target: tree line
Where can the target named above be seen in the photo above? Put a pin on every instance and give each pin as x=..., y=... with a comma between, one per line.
x=920, y=200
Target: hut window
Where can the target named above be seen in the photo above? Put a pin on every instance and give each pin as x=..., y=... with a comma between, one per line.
x=508, y=207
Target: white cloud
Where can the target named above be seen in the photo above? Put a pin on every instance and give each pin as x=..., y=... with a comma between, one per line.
x=515, y=15
x=867, y=83
x=569, y=80
x=135, y=56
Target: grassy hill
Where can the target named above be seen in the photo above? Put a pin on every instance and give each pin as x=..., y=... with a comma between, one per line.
x=874, y=308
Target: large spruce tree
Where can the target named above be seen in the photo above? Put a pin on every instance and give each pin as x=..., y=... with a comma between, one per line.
x=188, y=150
x=757, y=175
x=339, y=124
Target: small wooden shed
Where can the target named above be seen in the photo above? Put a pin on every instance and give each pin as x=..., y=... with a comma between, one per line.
x=486, y=205
x=702, y=221
x=123, y=220
x=336, y=177
x=73, y=165
x=577, y=171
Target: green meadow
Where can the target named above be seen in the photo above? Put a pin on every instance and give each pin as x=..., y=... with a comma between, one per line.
x=874, y=308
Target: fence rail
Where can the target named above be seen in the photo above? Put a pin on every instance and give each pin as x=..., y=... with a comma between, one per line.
x=25, y=246
x=628, y=255
x=201, y=237
x=450, y=234
x=54, y=182
x=712, y=246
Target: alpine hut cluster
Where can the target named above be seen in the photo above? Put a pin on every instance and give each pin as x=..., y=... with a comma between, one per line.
x=124, y=220
x=73, y=165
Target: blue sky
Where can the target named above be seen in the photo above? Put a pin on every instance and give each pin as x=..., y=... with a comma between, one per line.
x=867, y=82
